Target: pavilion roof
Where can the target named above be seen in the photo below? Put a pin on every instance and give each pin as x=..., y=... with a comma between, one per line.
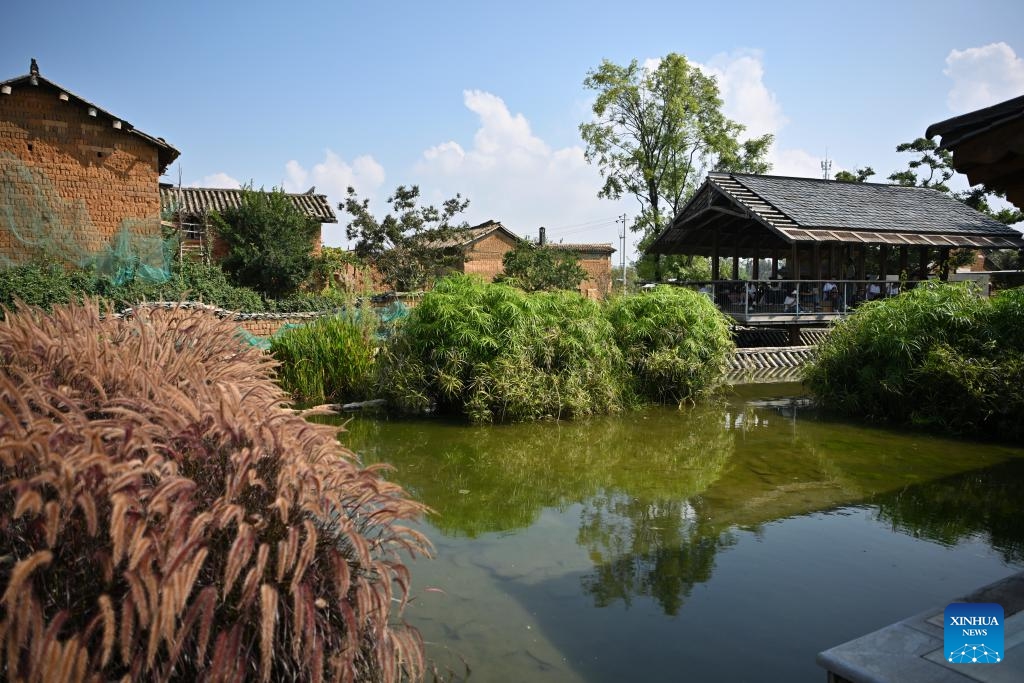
x=741, y=210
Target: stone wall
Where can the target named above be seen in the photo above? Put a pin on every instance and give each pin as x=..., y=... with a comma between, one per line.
x=57, y=160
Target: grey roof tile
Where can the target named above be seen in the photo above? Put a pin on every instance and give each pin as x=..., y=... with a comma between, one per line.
x=196, y=201
x=824, y=204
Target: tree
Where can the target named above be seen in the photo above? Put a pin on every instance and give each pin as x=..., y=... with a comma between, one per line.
x=859, y=175
x=412, y=244
x=938, y=163
x=269, y=242
x=657, y=131
x=535, y=267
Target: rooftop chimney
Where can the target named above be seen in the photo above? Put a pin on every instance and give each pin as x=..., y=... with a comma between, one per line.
x=543, y=236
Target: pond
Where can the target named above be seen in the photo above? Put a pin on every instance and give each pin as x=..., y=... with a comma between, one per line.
x=727, y=542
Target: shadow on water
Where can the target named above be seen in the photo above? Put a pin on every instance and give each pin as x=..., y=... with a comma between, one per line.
x=984, y=504
x=599, y=534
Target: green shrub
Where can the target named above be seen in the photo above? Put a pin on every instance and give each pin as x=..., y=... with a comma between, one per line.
x=329, y=359
x=674, y=340
x=937, y=356
x=164, y=517
x=189, y=281
x=44, y=284
x=301, y=302
x=495, y=353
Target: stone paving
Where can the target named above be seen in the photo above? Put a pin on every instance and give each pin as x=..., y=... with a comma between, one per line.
x=911, y=651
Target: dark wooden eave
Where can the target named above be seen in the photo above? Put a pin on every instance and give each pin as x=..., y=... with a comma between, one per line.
x=988, y=146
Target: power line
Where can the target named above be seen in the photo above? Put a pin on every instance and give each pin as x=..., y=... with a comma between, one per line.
x=611, y=219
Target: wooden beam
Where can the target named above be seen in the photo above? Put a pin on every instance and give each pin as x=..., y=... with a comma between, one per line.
x=922, y=263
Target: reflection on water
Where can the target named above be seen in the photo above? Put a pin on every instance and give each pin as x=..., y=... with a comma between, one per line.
x=574, y=551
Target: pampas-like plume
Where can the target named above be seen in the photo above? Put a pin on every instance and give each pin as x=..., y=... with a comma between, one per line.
x=167, y=517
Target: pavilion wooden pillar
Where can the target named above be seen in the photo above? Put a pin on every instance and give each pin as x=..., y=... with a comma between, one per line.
x=883, y=261
x=922, y=264
x=794, y=269
x=833, y=266
x=736, y=262
x=775, y=264
x=944, y=263
x=755, y=268
x=714, y=258
x=903, y=260
x=862, y=254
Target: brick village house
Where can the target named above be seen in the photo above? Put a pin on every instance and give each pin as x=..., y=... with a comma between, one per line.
x=486, y=244
x=72, y=175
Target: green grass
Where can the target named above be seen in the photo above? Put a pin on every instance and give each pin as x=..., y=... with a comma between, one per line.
x=328, y=360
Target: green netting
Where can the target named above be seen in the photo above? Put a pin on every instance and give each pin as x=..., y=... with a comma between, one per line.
x=386, y=315
x=37, y=224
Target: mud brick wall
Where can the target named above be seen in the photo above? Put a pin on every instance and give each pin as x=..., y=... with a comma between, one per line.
x=483, y=258
x=599, y=274
x=92, y=175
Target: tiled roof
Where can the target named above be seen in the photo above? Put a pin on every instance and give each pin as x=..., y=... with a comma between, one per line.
x=466, y=236
x=196, y=201
x=808, y=210
x=601, y=247
x=463, y=237
x=166, y=153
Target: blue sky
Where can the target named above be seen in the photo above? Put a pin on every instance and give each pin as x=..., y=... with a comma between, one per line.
x=485, y=98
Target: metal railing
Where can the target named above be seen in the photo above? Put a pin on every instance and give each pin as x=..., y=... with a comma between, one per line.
x=752, y=298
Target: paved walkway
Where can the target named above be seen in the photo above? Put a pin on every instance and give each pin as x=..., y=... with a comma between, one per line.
x=911, y=651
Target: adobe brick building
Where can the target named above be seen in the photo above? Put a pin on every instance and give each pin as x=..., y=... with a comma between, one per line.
x=486, y=244
x=69, y=165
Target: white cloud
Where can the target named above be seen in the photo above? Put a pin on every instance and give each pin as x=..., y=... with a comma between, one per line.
x=513, y=176
x=219, y=180
x=983, y=76
x=746, y=99
x=332, y=177
x=797, y=162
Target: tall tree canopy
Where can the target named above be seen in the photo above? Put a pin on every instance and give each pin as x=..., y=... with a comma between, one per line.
x=269, y=241
x=656, y=132
x=411, y=244
x=859, y=175
x=535, y=267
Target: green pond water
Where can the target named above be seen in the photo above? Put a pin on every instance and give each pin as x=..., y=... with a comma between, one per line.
x=727, y=542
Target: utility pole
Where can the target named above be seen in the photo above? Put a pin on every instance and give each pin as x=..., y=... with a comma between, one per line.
x=622, y=251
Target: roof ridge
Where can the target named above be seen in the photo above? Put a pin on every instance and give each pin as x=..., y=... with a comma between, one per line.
x=822, y=180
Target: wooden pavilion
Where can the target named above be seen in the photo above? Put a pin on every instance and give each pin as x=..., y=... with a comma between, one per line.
x=821, y=236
